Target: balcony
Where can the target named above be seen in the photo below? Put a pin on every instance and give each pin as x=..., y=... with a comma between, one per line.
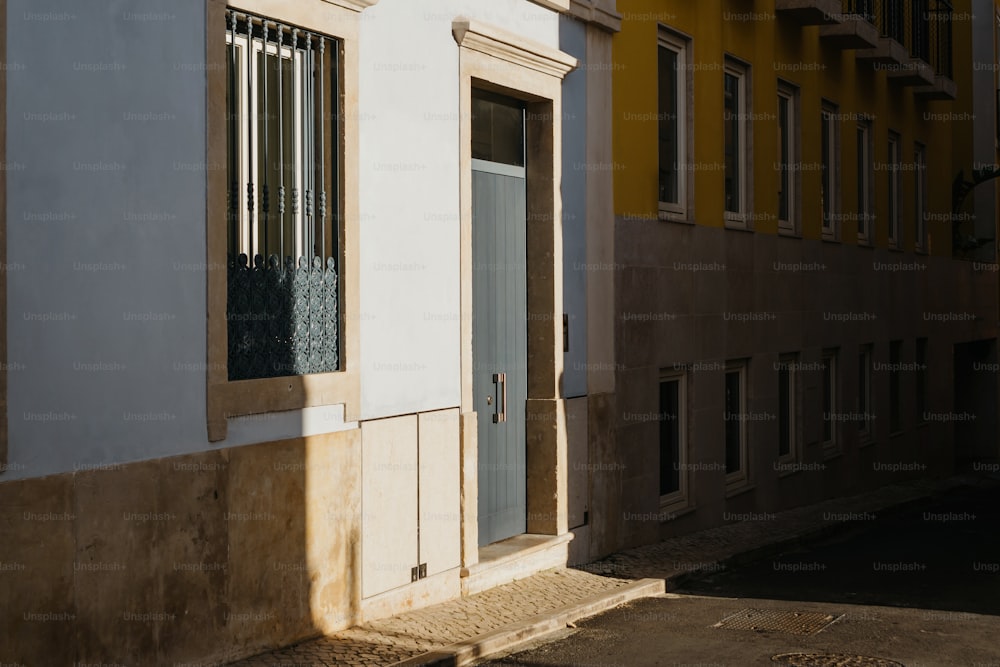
x=914, y=44
x=853, y=31
x=809, y=12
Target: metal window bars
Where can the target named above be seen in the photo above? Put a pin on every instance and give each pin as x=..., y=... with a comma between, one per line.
x=924, y=27
x=283, y=290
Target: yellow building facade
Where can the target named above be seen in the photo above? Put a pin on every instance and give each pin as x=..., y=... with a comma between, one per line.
x=794, y=320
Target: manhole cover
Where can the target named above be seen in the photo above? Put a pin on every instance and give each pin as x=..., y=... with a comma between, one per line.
x=762, y=620
x=832, y=660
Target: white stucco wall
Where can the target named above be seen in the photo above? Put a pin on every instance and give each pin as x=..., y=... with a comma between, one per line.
x=106, y=225
x=410, y=196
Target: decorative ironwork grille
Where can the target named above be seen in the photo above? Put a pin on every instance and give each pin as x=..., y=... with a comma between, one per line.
x=283, y=103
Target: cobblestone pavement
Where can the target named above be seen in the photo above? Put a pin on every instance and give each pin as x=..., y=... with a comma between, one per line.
x=389, y=640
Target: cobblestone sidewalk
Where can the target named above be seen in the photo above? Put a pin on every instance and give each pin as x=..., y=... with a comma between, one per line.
x=401, y=637
x=389, y=640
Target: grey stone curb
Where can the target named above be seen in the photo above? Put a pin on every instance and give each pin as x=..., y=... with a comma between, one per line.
x=464, y=652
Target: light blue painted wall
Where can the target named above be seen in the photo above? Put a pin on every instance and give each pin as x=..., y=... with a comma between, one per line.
x=106, y=226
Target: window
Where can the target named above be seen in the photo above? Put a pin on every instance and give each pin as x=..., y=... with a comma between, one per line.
x=864, y=191
x=282, y=232
x=864, y=407
x=920, y=380
x=736, y=123
x=893, y=205
x=895, y=354
x=283, y=199
x=788, y=179
x=735, y=419
x=829, y=195
x=672, y=130
x=673, y=448
x=828, y=390
x=786, y=408
x=920, y=195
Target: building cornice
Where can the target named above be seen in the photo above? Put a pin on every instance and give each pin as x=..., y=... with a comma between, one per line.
x=356, y=5
x=593, y=11
x=499, y=43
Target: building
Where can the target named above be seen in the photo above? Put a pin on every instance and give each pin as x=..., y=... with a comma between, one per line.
x=270, y=369
x=800, y=312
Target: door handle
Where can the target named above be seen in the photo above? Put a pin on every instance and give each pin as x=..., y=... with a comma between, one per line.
x=501, y=415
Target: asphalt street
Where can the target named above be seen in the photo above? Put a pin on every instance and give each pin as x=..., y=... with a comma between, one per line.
x=918, y=585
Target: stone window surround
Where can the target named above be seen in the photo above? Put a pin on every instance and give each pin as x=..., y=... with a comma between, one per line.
x=678, y=501
x=793, y=226
x=494, y=59
x=791, y=361
x=338, y=19
x=681, y=44
x=831, y=230
x=743, y=219
x=739, y=480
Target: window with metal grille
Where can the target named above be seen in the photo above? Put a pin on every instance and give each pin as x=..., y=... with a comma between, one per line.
x=283, y=117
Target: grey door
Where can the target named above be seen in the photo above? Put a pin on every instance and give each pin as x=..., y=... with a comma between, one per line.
x=499, y=327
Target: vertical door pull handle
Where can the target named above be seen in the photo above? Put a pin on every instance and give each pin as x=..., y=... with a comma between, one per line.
x=501, y=414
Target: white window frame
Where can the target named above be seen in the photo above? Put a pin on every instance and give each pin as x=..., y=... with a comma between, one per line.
x=921, y=370
x=678, y=500
x=789, y=94
x=740, y=477
x=830, y=127
x=866, y=212
x=831, y=445
x=896, y=386
x=740, y=219
x=920, y=196
x=672, y=41
x=865, y=427
x=895, y=154
x=250, y=141
x=789, y=362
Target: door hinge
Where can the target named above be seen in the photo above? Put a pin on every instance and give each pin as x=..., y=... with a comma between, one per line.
x=565, y=332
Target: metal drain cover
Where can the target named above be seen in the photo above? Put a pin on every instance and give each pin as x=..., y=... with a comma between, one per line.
x=832, y=660
x=762, y=620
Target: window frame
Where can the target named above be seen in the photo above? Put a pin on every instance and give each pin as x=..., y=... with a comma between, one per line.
x=830, y=173
x=340, y=20
x=829, y=389
x=895, y=388
x=894, y=201
x=865, y=177
x=740, y=219
x=920, y=373
x=789, y=93
x=865, y=424
x=920, y=196
x=681, y=45
x=678, y=500
x=789, y=363
x=740, y=477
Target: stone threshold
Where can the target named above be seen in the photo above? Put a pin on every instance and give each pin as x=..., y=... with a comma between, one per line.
x=515, y=558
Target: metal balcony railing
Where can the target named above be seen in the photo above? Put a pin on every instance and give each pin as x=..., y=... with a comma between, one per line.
x=922, y=26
